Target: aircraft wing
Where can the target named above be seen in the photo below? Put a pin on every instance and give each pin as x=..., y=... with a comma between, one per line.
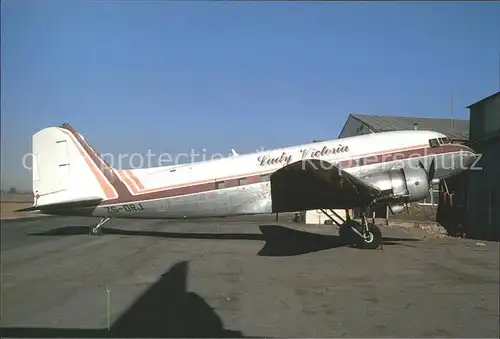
x=316, y=184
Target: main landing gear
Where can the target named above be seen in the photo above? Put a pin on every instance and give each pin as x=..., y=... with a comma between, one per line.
x=362, y=234
x=96, y=229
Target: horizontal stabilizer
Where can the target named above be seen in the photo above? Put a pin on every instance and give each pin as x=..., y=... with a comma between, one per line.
x=67, y=205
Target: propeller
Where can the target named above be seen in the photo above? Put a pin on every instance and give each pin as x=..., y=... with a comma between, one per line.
x=430, y=172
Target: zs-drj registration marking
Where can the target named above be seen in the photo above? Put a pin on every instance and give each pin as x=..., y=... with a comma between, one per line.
x=125, y=208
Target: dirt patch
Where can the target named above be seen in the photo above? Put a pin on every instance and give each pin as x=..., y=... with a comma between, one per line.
x=16, y=197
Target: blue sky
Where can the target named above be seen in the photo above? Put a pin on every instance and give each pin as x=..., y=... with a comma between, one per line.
x=175, y=76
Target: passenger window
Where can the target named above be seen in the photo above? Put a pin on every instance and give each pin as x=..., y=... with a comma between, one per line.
x=242, y=181
x=220, y=184
x=434, y=143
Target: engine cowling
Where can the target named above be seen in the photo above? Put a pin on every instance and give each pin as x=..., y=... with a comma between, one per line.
x=401, y=185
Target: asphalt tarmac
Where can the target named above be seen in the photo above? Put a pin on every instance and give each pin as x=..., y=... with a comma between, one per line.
x=242, y=277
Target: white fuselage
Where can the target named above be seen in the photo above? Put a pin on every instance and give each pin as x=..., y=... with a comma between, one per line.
x=230, y=186
x=154, y=179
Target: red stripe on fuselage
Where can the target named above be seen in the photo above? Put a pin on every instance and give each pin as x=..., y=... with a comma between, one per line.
x=233, y=181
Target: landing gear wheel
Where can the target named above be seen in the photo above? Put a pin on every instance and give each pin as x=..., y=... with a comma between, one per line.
x=347, y=235
x=371, y=239
x=358, y=234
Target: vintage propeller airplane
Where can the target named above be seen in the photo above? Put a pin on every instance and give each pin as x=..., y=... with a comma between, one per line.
x=70, y=178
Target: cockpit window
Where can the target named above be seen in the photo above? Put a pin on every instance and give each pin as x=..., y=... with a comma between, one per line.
x=444, y=140
x=434, y=142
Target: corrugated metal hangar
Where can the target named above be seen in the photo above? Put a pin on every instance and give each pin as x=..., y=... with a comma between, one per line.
x=358, y=124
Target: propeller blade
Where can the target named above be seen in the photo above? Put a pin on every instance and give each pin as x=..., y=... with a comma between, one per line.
x=432, y=171
x=421, y=165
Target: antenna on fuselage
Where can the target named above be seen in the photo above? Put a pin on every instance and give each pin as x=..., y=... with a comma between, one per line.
x=452, y=109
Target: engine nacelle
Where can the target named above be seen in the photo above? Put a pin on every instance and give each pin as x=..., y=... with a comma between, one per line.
x=400, y=186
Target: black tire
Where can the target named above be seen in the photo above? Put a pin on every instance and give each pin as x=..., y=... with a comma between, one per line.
x=375, y=238
x=347, y=235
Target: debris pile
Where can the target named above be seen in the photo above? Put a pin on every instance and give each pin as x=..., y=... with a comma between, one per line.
x=430, y=227
x=434, y=229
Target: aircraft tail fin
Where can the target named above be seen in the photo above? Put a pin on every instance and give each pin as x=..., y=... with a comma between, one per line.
x=66, y=169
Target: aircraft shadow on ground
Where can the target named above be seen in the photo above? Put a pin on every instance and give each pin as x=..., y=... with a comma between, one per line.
x=279, y=240
x=165, y=310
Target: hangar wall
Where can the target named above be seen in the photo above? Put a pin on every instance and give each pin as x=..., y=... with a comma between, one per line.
x=483, y=192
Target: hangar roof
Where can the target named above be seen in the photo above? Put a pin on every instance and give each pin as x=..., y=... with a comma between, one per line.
x=494, y=95
x=453, y=128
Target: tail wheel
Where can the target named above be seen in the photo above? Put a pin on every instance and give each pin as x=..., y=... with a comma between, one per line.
x=94, y=231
